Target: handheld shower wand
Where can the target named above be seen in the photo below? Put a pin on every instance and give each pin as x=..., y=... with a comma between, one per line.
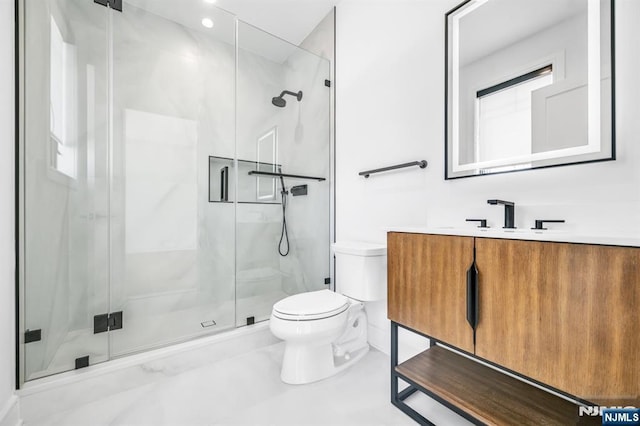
x=284, y=235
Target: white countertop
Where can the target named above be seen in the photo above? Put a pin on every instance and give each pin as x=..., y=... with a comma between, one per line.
x=527, y=234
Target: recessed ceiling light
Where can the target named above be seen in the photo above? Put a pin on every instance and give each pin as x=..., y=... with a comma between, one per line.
x=207, y=23
x=210, y=1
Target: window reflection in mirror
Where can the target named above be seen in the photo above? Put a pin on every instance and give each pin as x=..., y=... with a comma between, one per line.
x=529, y=84
x=503, y=116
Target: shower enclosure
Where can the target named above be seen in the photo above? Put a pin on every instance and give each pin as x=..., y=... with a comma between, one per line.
x=156, y=175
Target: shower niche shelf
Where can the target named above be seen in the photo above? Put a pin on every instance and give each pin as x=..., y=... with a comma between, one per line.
x=251, y=189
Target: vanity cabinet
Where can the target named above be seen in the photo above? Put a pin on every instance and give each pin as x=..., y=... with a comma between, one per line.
x=428, y=291
x=562, y=314
x=566, y=315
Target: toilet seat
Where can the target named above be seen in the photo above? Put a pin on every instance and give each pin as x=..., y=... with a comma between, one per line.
x=310, y=306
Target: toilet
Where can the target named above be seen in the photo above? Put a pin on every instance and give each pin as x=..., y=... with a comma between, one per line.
x=325, y=331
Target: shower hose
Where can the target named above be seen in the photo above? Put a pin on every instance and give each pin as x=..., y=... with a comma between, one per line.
x=284, y=235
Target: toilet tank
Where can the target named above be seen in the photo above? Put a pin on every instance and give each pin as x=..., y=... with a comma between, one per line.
x=361, y=270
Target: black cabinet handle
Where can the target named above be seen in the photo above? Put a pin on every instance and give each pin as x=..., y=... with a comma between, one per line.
x=472, y=297
x=473, y=307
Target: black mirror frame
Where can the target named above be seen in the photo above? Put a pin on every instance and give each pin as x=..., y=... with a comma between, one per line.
x=446, y=103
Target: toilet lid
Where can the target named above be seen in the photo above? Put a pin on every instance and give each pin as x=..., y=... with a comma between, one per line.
x=311, y=306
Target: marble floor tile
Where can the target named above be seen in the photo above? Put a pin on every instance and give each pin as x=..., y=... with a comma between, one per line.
x=246, y=390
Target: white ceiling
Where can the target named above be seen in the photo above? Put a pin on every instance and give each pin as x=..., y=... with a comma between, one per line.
x=499, y=23
x=291, y=20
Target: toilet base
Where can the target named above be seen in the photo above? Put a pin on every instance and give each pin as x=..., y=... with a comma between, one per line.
x=305, y=364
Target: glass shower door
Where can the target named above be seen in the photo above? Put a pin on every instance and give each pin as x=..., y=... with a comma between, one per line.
x=65, y=189
x=172, y=245
x=282, y=241
x=159, y=172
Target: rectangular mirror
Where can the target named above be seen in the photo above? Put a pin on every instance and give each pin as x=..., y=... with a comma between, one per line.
x=530, y=84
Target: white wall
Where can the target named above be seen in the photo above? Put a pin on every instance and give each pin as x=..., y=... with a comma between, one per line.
x=390, y=109
x=8, y=402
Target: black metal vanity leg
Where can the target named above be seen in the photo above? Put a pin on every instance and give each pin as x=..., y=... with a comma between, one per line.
x=397, y=398
x=394, y=362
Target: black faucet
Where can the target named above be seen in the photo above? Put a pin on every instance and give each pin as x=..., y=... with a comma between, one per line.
x=509, y=212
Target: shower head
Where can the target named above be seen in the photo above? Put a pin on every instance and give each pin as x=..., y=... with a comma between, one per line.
x=279, y=100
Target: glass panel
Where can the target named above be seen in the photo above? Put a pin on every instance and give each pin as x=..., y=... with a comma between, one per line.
x=287, y=132
x=66, y=199
x=136, y=191
x=172, y=250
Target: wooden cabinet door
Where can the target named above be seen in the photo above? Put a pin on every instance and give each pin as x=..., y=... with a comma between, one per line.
x=427, y=285
x=564, y=314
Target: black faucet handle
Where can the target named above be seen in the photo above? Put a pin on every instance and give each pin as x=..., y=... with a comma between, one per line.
x=539, y=223
x=483, y=222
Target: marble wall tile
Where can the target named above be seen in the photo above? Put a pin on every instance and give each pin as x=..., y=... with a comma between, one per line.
x=302, y=148
x=177, y=277
x=161, y=183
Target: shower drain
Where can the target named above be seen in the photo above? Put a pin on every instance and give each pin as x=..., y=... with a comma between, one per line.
x=209, y=323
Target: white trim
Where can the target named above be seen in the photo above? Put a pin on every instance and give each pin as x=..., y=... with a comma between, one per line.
x=379, y=338
x=10, y=413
